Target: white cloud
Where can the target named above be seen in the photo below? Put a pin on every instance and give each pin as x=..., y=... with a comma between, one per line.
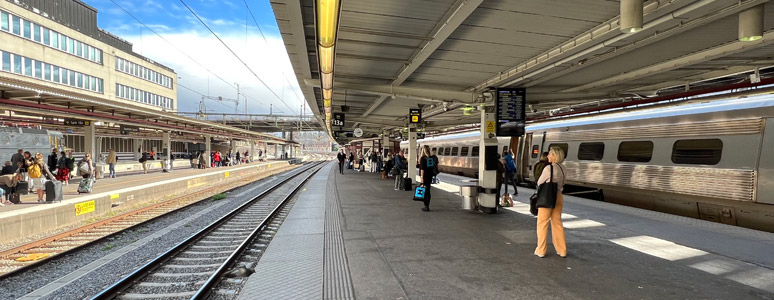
x=268, y=63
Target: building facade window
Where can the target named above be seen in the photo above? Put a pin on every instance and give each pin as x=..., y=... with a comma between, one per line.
x=40, y=34
x=128, y=67
x=25, y=66
x=136, y=95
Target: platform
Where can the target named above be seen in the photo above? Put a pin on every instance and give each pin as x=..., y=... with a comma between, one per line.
x=30, y=218
x=395, y=251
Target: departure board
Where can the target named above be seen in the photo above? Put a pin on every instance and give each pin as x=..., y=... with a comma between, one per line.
x=511, y=115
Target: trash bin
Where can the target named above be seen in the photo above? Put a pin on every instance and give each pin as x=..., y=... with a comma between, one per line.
x=469, y=193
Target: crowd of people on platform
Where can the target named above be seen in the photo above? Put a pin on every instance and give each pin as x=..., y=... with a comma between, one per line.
x=427, y=164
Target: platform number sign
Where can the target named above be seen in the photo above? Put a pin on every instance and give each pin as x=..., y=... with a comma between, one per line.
x=415, y=115
x=338, y=119
x=76, y=122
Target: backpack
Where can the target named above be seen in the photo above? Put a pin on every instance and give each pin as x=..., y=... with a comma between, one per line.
x=432, y=163
x=34, y=171
x=510, y=165
x=71, y=163
x=83, y=168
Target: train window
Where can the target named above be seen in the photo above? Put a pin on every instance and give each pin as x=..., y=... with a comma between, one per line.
x=697, y=152
x=455, y=151
x=464, y=151
x=591, y=151
x=563, y=146
x=474, y=151
x=440, y=151
x=434, y=150
x=535, y=151
x=447, y=151
x=640, y=151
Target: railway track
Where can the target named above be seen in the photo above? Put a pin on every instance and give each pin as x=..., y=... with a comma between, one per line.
x=25, y=257
x=194, y=267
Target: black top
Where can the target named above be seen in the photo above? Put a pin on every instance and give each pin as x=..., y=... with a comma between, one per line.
x=426, y=166
x=7, y=170
x=341, y=157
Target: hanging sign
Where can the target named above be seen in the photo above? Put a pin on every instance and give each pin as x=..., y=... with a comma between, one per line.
x=343, y=134
x=415, y=115
x=511, y=114
x=76, y=122
x=338, y=119
x=129, y=129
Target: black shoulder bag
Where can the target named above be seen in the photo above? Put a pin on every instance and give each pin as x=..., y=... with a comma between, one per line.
x=547, y=192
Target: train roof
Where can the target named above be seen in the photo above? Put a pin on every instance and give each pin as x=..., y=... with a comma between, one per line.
x=750, y=102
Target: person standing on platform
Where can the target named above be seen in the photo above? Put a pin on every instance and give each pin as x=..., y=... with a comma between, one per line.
x=16, y=159
x=554, y=215
x=427, y=165
x=144, y=161
x=52, y=161
x=37, y=170
x=86, y=166
x=542, y=163
x=238, y=158
x=62, y=170
x=510, y=170
x=437, y=165
x=111, y=160
x=341, y=157
x=351, y=159
x=398, y=165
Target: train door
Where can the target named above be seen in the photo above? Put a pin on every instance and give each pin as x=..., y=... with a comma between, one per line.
x=522, y=157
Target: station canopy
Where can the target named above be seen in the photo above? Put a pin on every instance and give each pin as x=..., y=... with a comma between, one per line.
x=443, y=55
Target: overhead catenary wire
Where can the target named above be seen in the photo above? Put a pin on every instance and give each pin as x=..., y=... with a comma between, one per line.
x=235, y=55
x=181, y=51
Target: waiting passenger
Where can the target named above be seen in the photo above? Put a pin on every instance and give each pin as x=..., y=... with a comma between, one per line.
x=63, y=169
x=8, y=168
x=437, y=165
x=542, y=163
x=52, y=160
x=398, y=166
x=16, y=159
x=86, y=166
x=144, y=161
x=36, y=171
x=111, y=160
x=554, y=215
x=510, y=169
x=427, y=165
x=7, y=185
x=341, y=157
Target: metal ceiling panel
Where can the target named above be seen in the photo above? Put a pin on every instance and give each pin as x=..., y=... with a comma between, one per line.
x=588, y=10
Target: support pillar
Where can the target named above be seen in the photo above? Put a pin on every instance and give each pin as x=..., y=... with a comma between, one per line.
x=89, y=140
x=385, y=143
x=487, y=162
x=166, y=149
x=252, y=151
x=137, y=148
x=208, y=150
x=412, y=157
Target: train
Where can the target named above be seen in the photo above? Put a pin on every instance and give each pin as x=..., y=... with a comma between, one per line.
x=709, y=160
x=30, y=139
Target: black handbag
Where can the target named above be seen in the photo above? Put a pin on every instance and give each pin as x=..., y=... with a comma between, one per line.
x=533, y=204
x=547, y=192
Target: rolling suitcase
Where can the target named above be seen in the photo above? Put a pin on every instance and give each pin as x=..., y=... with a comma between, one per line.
x=407, y=184
x=22, y=187
x=53, y=191
x=86, y=185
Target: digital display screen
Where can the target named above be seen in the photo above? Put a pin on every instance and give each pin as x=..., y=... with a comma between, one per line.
x=511, y=115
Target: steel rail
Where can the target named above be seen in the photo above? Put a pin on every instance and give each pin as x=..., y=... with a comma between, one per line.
x=127, y=281
x=96, y=225
x=204, y=290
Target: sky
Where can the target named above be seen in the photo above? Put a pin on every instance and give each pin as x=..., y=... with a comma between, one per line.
x=184, y=44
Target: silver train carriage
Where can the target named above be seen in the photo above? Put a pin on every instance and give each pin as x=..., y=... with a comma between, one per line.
x=29, y=139
x=713, y=161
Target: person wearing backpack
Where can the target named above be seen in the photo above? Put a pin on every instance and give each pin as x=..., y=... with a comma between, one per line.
x=427, y=164
x=36, y=170
x=510, y=170
x=143, y=160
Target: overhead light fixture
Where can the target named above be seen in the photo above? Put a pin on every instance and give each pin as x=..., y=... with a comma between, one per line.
x=327, y=94
x=327, y=81
x=327, y=21
x=326, y=59
x=327, y=102
x=467, y=110
x=631, y=16
x=751, y=24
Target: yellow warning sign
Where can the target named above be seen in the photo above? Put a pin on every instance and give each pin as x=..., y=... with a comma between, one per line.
x=114, y=196
x=490, y=126
x=84, y=207
x=414, y=119
x=227, y=174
